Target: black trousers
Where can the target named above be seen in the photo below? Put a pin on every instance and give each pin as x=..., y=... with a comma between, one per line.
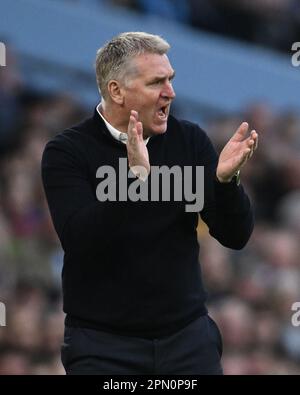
x=195, y=349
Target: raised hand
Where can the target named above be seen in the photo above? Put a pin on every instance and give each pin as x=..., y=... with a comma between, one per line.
x=137, y=152
x=236, y=153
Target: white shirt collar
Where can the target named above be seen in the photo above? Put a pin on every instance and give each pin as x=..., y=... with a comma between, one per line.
x=120, y=136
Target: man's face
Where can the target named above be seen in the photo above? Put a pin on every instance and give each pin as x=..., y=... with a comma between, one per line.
x=150, y=92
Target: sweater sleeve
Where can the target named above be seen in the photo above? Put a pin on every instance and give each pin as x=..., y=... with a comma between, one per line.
x=77, y=215
x=227, y=210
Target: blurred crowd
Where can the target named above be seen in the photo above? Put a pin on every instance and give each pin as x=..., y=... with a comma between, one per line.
x=270, y=23
x=250, y=292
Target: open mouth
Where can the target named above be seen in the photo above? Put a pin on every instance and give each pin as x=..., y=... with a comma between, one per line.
x=163, y=112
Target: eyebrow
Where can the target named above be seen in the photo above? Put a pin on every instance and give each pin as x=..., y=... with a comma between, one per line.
x=158, y=78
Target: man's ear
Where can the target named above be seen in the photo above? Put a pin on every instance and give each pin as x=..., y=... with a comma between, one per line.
x=115, y=92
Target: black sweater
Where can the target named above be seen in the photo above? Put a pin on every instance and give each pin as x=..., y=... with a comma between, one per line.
x=132, y=267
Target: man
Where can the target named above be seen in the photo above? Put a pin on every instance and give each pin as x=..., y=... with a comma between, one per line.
x=132, y=288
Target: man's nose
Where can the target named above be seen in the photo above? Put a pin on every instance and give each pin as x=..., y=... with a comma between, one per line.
x=169, y=91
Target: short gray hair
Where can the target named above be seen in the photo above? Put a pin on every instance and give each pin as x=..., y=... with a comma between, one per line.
x=113, y=58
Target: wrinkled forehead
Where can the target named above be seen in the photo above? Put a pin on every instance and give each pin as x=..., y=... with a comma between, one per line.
x=150, y=65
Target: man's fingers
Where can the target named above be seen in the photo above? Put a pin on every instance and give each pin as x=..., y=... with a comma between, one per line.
x=133, y=138
x=139, y=128
x=254, y=136
x=242, y=158
x=252, y=142
x=131, y=126
x=135, y=114
x=241, y=132
x=132, y=122
x=245, y=156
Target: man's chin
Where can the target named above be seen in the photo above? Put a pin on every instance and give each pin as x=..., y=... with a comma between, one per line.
x=159, y=129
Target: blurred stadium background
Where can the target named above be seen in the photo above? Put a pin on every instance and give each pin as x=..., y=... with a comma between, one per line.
x=233, y=63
